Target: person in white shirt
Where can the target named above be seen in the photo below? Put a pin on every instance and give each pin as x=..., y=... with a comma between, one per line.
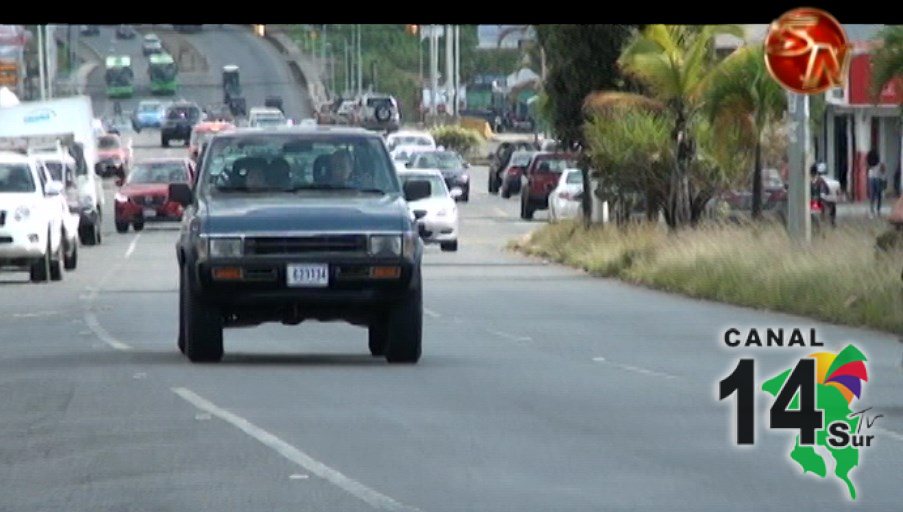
x=876, y=180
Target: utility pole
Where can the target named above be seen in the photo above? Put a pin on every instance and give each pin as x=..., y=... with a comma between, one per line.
x=449, y=67
x=799, y=224
x=323, y=70
x=347, y=68
x=360, y=64
x=457, y=69
x=41, y=76
x=434, y=67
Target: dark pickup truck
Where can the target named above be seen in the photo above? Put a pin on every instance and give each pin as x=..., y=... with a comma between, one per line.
x=293, y=223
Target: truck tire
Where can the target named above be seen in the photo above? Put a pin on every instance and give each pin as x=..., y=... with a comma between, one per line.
x=405, y=328
x=71, y=259
x=122, y=227
x=164, y=141
x=378, y=336
x=180, y=342
x=40, y=270
x=56, y=263
x=203, y=326
x=526, y=209
x=449, y=246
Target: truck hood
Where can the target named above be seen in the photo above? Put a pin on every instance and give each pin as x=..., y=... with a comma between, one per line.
x=304, y=211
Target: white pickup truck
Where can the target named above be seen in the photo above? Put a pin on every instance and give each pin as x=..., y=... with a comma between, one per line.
x=37, y=231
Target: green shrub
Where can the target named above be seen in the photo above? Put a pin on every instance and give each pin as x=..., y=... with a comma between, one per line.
x=457, y=138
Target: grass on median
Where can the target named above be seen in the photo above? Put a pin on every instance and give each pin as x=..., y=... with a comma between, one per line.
x=840, y=277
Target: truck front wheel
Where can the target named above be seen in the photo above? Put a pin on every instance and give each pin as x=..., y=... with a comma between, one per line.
x=405, y=329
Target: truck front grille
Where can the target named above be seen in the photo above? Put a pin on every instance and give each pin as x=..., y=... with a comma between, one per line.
x=308, y=244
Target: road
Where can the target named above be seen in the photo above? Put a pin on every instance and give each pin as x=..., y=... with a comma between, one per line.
x=540, y=389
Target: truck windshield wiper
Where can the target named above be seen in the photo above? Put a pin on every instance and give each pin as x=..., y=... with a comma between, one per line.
x=339, y=187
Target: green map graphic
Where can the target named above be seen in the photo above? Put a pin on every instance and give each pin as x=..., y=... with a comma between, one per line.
x=835, y=407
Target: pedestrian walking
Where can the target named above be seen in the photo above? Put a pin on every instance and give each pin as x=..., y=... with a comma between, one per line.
x=877, y=180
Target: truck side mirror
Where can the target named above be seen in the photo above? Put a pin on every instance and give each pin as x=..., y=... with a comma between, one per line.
x=415, y=190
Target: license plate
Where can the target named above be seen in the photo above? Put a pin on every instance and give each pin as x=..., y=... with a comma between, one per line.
x=149, y=212
x=308, y=275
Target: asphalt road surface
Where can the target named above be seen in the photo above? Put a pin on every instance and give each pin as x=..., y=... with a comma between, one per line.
x=540, y=389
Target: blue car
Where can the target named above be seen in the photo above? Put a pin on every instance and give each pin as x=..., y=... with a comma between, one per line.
x=149, y=114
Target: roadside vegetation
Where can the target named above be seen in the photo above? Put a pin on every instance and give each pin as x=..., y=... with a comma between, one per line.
x=841, y=277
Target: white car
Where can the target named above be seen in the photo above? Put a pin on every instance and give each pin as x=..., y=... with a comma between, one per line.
x=151, y=44
x=564, y=201
x=437, y=213
x=266, y=117
x=423, y=140
x=33, y=219
x=403, y=153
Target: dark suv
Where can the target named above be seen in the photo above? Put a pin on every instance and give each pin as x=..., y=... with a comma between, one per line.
x=294, y=223
x=178, y=121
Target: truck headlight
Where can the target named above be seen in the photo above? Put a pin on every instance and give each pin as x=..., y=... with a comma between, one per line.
x=409, y=241
x=225, y=247
x=465, y=178
x=385, y=245
x=22, y=213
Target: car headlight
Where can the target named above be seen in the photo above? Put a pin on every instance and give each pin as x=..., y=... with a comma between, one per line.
x=225, y=247
x=120, y=197
x=409, y=242
x=465, y=178
x=22, y=213
x=385, y=245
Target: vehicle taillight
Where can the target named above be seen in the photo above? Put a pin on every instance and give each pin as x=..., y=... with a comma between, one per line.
x=815, y=205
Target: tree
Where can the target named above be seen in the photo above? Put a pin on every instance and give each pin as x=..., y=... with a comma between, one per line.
x=579, y=59
x=887, y=61
x=741, y=90
x=673, y=62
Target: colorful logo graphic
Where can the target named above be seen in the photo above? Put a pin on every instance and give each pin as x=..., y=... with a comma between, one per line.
x=815, y=398
x=806, y=51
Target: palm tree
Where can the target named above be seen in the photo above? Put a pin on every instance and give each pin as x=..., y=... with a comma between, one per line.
x=887, y=61
x=673, y=63
x=741, y=89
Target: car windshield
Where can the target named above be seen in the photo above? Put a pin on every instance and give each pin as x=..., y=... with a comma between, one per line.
x=574, y=178
x=554, y=164
x=189, y=113
x=108, y=142
x=437, y=184
x=292, y=162
x=16, y=178
x=163, y=172
x=439, y=160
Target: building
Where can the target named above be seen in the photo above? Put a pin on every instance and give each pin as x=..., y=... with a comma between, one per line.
x=854, y=122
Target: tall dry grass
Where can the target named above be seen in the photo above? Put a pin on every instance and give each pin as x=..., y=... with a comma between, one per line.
x=839, y=277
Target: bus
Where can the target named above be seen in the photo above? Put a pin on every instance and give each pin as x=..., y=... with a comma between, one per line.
x=119, y=77
x=162, y=72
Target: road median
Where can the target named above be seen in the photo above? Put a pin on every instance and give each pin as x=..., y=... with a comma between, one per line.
x=840, y=278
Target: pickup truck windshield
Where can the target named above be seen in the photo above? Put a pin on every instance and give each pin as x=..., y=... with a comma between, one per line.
x=16, y=178
x=292, y=163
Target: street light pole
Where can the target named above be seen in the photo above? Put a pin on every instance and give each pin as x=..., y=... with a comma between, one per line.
x=799, y=225
x=41, y=76
x=360, y=64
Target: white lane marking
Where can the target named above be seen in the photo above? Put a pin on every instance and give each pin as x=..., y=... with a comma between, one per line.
x=356, y=489
x=298, y=477
x=635, y=369
x=36, y=314
x=509, y=336
x=430, y=313
x=501, y=212
x=890, y=433
x=132, y=246
x=139, y=375
x=102, y=333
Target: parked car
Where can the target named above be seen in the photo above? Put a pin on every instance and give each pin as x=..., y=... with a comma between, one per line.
x=565, y=198
x=144, y=195
x=34, y=227
x=437, y=213
x=113, y=157
x=510, y=177
x=541, y=177
x=181, y=117
x=125, y=32
x=453, y=168
x=148, y=114
x=89, y=30
x=342, y=246
x=151, y=44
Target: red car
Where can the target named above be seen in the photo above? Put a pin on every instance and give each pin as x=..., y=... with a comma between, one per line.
x=542, y=175
x=511, y=175
x=112, y=156
x=144, y=195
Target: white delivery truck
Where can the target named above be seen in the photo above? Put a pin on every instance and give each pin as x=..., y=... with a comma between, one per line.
x=68, y=121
